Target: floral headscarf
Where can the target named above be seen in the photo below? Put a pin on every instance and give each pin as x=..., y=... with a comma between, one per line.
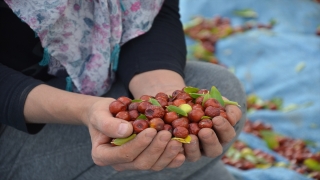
x=82, y=38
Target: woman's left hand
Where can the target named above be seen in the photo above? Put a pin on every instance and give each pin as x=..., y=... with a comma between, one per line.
x=213, y=140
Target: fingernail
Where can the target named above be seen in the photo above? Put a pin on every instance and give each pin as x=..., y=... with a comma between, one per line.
x=207, y=135
x=193, y=142
x=123, y=128
x=218, y=121
x=231, y=115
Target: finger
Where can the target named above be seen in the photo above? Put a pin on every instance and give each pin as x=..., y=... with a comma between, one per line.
x=172, y=150
x=114, y=127
x=106, y=154
x=151, y=154
x=210, y=143
x=192, y=150
x=223, y=129
x=181, y=150
x=234, y=114
x=97, y=137
x=177, y=161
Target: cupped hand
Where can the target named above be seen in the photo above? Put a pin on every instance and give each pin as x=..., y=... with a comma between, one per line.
x=149, y=150
x=210, y=142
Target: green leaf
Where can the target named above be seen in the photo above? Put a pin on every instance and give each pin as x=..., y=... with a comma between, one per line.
x=310, y=143
x=231, y=151
x=251, y=158
x=261, y=160
x=263, y=166
x=136, y=100
x=281, y=164
x=312, y=164
x=270, y=138
x=205, y=98
x=214, y=93
x=205, y=117
x=300, y=66
x=252, y=98
x=290, y=107
x=200, y=51
x=120, y=141
x=273, y=22
x=142, y=116
x=246, y=151
x=177, y=110
x=195, y=95
x=227, y=102
x=247, y=13
x=277, y=101
x=236, y=156
x=193, y=22
x=190, y=89
x=154, y=102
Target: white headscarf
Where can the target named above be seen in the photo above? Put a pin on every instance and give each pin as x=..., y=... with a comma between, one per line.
x=83, y=37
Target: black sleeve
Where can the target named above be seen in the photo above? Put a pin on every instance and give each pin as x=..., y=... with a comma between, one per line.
x=162, y=47
x=20, y=53
x=15, y=88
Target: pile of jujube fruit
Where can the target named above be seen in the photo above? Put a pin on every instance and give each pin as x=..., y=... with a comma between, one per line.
x=182, y=113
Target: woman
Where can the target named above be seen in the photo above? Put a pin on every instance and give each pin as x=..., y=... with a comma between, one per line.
x=56, y=123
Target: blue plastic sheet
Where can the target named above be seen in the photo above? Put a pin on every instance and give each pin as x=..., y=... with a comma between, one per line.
x=266, y=63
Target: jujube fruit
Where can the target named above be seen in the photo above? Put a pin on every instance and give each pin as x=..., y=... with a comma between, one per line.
x=184, y=96
x=175, y=93
x=199, y=100
x=205, y=123
x=195, y=115
x=116, y=106
x=139, y=125
x=123, y=115
x=145, y=97
x=143, y=106
x=162, y=95
x=182, y=113
x=170, y=116
x=197, y=106
x=133, y=106
x=194, y=128
x=153, y=111
x=180, y=132
x=223, y=114
x=167, y=127
x=180, y=122
x=162, y=101
x=211, y=102
x=134, y=114
x=178, y=102
x=212, y=111
x=156, y=123
x=125, y=100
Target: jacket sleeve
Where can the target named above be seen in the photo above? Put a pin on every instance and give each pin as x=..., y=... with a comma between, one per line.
x=162, y=47
x=15, y=88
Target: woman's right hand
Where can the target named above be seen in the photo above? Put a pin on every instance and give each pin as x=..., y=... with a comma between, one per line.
x=149, y=150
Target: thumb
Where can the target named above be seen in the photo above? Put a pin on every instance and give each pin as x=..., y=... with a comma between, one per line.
x=115, y=128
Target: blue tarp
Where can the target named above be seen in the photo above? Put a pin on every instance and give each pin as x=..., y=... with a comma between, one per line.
x=265, y=61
